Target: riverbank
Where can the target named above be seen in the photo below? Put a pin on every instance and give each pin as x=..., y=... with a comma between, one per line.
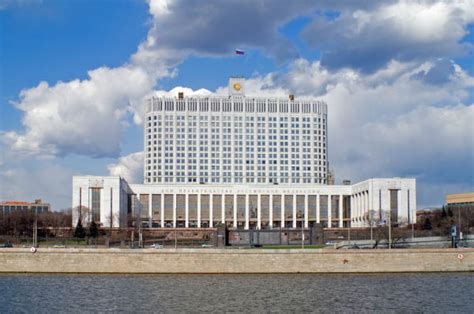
x=233, y=261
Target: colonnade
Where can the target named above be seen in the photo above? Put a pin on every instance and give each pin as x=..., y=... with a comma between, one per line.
x=300, y=211
x=360, y=202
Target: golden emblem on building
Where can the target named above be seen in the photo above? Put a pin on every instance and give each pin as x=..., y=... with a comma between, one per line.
x=237, y=86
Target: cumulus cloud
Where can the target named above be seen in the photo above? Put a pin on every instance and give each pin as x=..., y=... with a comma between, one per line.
x=215, y=28
x=180, y=89
x=405, y=30
x=82, y=117
x=129, y=167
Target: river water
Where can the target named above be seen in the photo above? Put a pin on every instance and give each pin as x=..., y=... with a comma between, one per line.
x=431, y=293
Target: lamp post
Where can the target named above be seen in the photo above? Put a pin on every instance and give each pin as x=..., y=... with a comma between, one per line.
x=35, y=230
x=389, y=230
x=459, y=220
x=175, y=235
x=371, y=220
x=302, y=231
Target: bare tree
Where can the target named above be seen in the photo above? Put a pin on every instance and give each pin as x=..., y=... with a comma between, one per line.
x=83, y=213
x=391, y=232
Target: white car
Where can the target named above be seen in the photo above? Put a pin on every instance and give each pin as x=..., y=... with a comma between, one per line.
x=156, y=246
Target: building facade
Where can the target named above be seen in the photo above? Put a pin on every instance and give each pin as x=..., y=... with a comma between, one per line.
x=235, y=139
x=38, y=206
x=247, y=162
x=247, y=206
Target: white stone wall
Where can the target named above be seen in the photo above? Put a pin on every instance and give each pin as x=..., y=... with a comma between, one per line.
x=370, y=196
x=113, y=199
x=374, y=195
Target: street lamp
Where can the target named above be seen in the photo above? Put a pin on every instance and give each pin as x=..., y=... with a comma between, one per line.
x=389, y=229
x=302, y=231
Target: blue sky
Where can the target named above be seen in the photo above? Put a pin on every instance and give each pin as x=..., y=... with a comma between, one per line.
x=388, y=71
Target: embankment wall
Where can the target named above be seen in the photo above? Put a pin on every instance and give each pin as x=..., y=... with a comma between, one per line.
x=221, y=261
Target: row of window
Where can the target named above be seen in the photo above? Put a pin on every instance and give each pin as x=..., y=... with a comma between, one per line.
x=170, y=179
x=193, y=118
x=235, y=105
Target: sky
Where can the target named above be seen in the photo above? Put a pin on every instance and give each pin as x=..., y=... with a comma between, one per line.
x=398, y=78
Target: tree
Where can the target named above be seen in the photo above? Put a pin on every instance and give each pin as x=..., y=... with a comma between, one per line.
x=450, y=212
x=93, y=230
x=79, y=232
x=444, y=215
x=427, y=225
x=81, y=212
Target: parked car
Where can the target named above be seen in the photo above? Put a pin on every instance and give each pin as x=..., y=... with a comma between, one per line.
x=156, y=246
x=6, y=244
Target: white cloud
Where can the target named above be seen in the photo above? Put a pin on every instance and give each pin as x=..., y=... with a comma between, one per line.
x=129, y=167
x=80, y=117
x=404, y=30
x=181, y=28
x=179, y=89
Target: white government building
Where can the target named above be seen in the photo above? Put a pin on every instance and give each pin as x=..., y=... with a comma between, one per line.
x=247, y=162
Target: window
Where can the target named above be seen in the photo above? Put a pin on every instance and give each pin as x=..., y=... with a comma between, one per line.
x=95, y=204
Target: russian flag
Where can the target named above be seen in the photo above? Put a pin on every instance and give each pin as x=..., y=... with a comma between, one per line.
x=239, y=52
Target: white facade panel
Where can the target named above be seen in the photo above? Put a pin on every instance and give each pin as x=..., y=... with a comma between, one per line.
x=197, y=214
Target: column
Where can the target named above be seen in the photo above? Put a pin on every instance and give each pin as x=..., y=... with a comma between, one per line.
x=359, y=209
x=186, y=210
x=366, y=208
x=351, y=212
x=259, y=211
x=234, y=207
x=199, y=210
x=294, y=210
x=211, y=210
x=306, y=210
x=223, y=208
x=341, y=223
x=354, y=214
x=270, y=211
x=138, y=216
x=150, y=211
x=282, y=211
x=318, y=209
x=389, y=209
x=402, y=207
x=175, y=197
x=162, y=209
x=329, y=211
x=247, y=196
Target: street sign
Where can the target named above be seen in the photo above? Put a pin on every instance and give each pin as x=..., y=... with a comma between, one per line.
x=454, y=231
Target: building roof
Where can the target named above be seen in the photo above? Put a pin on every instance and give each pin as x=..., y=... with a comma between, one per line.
x=460, y=198
x=36, y=202
x=14, y=203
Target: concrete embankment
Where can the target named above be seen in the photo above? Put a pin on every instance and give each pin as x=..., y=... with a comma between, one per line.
x=227, y=261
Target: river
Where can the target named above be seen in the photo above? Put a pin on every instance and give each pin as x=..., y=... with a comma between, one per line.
x=432, y=293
